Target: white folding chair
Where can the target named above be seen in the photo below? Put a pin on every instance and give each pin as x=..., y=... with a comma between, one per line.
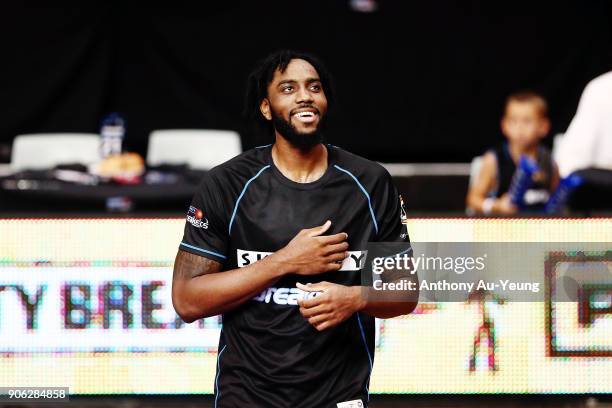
x=45, y=150
x=199, y=149
x=475, y=166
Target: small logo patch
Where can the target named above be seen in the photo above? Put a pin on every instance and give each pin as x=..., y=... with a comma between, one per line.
x=403, y=218
x=195, y=217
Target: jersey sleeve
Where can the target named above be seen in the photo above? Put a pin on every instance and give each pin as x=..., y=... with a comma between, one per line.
x=392, y=228
x=206, y=226
x=390, y=212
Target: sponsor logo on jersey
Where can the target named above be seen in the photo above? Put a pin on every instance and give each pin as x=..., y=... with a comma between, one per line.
x=284, y=296
x=533, y=196
x=195, y=217
x=355, y=261
x=290, y=296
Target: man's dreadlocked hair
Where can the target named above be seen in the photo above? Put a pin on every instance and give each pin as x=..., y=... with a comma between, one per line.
x=261, y=76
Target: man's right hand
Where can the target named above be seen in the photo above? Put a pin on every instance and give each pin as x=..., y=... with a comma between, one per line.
x=310, y=252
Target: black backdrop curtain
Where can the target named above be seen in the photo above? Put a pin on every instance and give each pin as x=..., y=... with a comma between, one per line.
x=416, y=82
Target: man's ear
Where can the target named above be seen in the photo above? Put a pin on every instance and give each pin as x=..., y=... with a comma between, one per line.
x=264, y=107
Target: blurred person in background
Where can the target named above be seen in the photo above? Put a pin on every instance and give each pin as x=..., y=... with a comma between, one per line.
x=587, y=144
x=524, y=124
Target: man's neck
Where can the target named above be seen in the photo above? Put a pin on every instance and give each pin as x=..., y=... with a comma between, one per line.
x=299, y=165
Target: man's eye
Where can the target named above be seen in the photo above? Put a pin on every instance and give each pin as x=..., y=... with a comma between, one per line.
x=315, y=87
x=287, y=89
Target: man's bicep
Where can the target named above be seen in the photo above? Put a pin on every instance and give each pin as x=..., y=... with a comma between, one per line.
x=188, y=265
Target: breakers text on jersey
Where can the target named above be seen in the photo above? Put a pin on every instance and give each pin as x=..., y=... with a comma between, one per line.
x=284, y=296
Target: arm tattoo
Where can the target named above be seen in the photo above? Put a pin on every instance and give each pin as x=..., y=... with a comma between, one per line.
x=188, y=265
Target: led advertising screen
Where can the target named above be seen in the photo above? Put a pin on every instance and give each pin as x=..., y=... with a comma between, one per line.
x=85, y=304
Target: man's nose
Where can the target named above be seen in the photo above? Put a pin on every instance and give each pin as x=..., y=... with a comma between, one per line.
x=303, y=95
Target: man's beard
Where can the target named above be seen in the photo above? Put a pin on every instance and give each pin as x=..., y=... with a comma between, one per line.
x=301, y=141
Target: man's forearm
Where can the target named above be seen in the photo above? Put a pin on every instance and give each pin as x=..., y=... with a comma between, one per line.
x=216, y=293
x=386, y=310
x=379, y=304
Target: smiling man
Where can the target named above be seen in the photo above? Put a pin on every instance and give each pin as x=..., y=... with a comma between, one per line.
x=274, y=242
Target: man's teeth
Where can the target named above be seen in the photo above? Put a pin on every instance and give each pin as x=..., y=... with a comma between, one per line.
x=304, y=114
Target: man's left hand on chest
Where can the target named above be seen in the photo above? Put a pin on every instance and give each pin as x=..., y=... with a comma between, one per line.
x=333, y=304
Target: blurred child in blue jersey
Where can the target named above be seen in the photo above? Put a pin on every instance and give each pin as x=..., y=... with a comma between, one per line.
x=518, y=175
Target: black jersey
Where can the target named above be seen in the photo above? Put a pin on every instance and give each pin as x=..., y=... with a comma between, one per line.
x=537, y=195
x=269, y=355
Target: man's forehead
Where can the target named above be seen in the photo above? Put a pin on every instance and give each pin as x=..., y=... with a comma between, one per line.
x=297, y=70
